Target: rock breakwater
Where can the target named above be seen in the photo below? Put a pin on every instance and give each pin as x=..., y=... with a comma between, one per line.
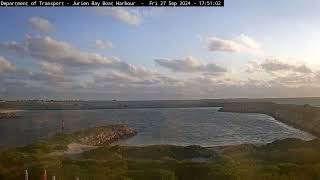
x=6, y=115
x=304, y=117
x=101, y=136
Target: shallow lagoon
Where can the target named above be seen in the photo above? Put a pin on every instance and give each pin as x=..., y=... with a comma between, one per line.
x=179, y=126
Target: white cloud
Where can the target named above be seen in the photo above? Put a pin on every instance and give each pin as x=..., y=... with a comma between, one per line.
x=64, y=71
x=101, y=44
x=252, y=67
x=52, y=68
x=5, y=65
x=127, y=15
x=13, y=47
x=243, y=44
x=59, y=58
x=276, y=71
x=52, y=50
x=294, y=79
x=218, y=44
x=276, y=65
x=188, y=65
x=117, y=78
x=41, y=24
x=113, y=84
x=248, y=42
x=113, y=77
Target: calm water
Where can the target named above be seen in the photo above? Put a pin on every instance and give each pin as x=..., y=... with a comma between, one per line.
x=182, y=126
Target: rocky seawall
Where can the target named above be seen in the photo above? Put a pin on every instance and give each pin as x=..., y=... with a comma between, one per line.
x=101, y=136
x=6, y=115
x=304, y=117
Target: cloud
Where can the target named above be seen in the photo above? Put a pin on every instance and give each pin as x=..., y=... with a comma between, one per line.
x=248, y=42
x=116, y=78
x=101, y=44
x=52, y=68
x=41, y=24
x=218, y=44
x=276, y=71
x=49, y=51
x=293, y=79
x=60, y=70
x=242, y=43
x=126, y=15
x=31, y=78
x=113, y=84
x=134, y=70
x=13, y=47
x=5, y=65
x=113, y=77
x=189, y=65
x=129, y=15
x=61, y=61
x=252, y=67
x=52, y=50
x=276, y=65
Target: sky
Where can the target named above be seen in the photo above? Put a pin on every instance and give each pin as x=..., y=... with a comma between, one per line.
x=245, y=49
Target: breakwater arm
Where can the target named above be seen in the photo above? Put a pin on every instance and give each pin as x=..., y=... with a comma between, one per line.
x=304, y=117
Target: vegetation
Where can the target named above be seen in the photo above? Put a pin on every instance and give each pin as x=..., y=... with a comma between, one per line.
x=283, y=159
